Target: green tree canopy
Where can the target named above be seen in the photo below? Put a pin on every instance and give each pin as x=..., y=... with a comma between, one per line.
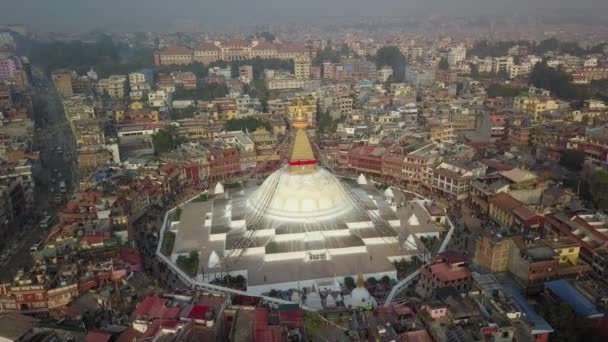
x=349, y=282
x=558, y=82
x=391, y=56
x=503, y=90
x=599, y=189
x=249, y=123
x=205, y=92
x=163, y=141
x=572, y=160
x=443, y=64
x=329, y=54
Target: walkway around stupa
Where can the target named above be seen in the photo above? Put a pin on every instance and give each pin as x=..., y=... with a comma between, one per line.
x=202, y=286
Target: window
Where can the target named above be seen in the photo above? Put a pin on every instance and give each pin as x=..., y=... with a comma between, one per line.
x=39, y=296
x=571, y=250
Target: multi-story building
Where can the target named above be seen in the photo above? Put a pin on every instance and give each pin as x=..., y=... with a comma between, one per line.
x=141, y=80
x=245, y=147
x=502, y=64
x=302, y=66
x=419, y=77
x=159, y=99
x=535, y=106
x=520, y=135
x=19, y=171
x=446, y=270
x=246, y=73
x=509, y=212
x=230, y=50
x=533, y=262
x=457, y=54
x=78, y=107
x=453, y=178
x=13, y=205
x=594, y=144
x=62, y=79
x=8, y=67
x=367, y=159
x=173, y=55
x=492, y=252
x=198, y=129
x=224, y=162
x=442, y=133
x=589, y=230
x=88, y=132
x=113, y=86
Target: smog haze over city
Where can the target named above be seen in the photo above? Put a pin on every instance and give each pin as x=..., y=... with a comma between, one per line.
x=157, y=15
x=303, y=171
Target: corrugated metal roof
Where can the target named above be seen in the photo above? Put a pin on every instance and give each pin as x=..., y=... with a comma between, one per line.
x=567, y=293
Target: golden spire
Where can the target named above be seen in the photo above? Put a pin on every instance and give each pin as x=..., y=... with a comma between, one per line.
x=360, y=282
x=302, y=158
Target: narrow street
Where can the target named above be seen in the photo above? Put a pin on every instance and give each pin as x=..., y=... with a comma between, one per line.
x=51, y=131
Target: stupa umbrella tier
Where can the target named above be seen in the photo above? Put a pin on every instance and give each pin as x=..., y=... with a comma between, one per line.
x=302, y=158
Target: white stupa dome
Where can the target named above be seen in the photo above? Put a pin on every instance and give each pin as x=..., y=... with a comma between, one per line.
x=316, y=195
x=219, y=189
x=361, y=179
x=360, y=298
x=389, y=192
x=413, y=220
x=313, y=300
x=330, y=302
x=295, y=297
x=214, y=260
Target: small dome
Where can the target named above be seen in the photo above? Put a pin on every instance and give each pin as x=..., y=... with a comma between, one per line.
x=219, y=188
x=360, y=297
x=413, y=220
x=389, y=192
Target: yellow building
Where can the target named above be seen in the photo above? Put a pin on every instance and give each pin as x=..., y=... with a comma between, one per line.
x=535, y=106
x=567, y=249
x=136, y=112
x=308, y=106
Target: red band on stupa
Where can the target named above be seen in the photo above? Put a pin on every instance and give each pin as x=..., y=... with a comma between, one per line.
x=302, y=162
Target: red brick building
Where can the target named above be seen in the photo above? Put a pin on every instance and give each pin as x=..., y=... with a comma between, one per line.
x=224, y=163
x=446, y=270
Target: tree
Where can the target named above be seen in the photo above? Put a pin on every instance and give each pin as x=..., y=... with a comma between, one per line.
x=249, y=123
x=325, y=123
x=501, y=90
x=349, y=282
x=163, y=141
x=372, y=281
x=329, y=54
x=566, y=324
x=547, y=45
x=386, y=280
x=599, y=189
x=268, y=36
x=558, y=82
x=392, y=56
x=443, y=64
x=205, y=92
x=572, y=160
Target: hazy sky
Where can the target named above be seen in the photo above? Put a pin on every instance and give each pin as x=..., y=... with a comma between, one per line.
x=163, y=14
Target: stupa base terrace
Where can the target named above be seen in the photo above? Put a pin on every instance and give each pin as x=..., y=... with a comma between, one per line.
x=297, y=230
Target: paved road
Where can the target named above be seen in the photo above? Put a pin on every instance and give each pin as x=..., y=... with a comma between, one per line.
x=51, y=131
